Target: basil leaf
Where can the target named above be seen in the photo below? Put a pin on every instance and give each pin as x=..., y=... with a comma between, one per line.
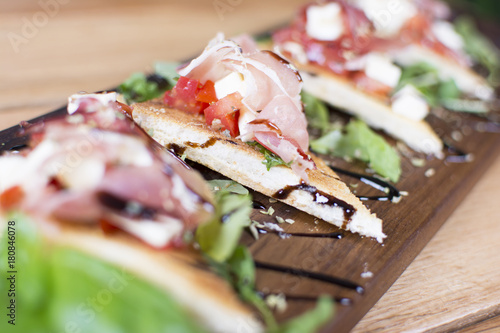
x=59, y=289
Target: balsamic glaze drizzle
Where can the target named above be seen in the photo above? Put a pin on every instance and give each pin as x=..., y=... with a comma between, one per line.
x=18, y=147
x=312, y=275
x=318, y=197
x=376, y=183
x=304, y=298
x=258, y=205
x=334, y=235
x=458, y=155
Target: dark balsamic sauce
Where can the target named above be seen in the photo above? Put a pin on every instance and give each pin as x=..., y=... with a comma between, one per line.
x=318, y=197
x=258, y=205
x=179, y=150
x=304, y=298
x=333, y=235
x=312, y=275
x=118, y=204
x=457, y=155
x=19, y=147
x=268, y=124
x=376, y=183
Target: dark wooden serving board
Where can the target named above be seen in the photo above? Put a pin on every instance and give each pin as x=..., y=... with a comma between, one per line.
x=409, y=224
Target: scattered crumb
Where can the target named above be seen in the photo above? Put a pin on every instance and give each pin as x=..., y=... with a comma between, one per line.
x=418, y=162
x=404, y=193
x=269, y=212
x=280, y=219
x=277, y=302
x=353, y=185
x=290, y=221
x=367, y=275
x=273, y=226
x=457, y=136
x=272, y=200
x=430, y=172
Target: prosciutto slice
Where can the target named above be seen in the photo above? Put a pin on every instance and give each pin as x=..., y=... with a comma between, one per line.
x=96, y=166
x=272, y=96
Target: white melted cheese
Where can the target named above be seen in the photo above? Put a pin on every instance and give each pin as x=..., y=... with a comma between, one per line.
x=409, y=103
x=388, y=16
x=230, y=84
x=380, y=68
x=446, y=34
x=325, y=22
x=74, y=100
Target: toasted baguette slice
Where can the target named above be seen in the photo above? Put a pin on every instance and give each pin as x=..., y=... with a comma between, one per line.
x=466, y=79
x=180, y=273
x=327, y=197
x=341, y=93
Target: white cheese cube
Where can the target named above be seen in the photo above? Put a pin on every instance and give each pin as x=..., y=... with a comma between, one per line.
x=446, y=34
x=230, y=84
x=325, y=22
x=409, y=103
x=381, y=68
x=388, y=16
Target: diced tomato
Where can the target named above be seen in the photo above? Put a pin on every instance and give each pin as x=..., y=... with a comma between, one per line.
x=227, y=110
x=11, y=197
x=183, y=96
x=207, y=93
x=107, y=227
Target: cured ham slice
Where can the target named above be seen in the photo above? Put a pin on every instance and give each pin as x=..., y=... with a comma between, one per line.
x=271, y=93
x=96, y=165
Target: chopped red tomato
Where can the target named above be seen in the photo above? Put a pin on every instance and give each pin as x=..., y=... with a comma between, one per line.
x=183, y=96
x=207, y=93
x=227, y=110
x=11, y=197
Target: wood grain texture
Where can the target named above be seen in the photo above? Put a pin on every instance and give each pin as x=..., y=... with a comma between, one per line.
x=94, y=45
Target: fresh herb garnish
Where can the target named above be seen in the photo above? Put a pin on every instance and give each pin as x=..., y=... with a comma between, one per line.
x=425, y=78
x=61, y=289
x=316, y=112
x=219, y=237
x=167, y=70
x=270, y=158
x=480, y=48
x=139, y=87
x=358, y=141
x=218, y=241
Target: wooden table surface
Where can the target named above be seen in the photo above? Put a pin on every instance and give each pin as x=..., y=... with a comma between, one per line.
x=51, y=51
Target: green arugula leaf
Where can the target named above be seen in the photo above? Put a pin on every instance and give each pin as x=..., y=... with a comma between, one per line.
x=227, y=185
x=270, y=158
x=361, y=143
x=480, y=48
x=316, y=112
x=311, y=321
x=138, y=89
x=59, y=289
x=167, y=70
x=219, y=237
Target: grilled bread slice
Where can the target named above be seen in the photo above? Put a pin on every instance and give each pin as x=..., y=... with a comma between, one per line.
x=324, y=196
x=375, y=111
